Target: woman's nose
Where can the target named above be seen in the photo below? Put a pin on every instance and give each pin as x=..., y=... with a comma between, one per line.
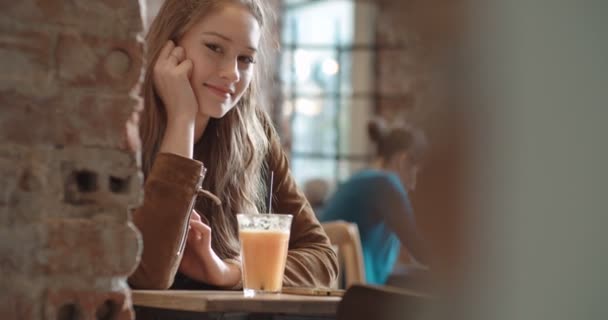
x=230, y=70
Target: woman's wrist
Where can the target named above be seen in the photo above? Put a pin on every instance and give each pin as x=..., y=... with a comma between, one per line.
x=222, y=273
x=233, y=273
x=179, y=137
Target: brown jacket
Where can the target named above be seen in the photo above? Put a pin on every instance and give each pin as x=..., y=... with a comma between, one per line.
x=170, y=193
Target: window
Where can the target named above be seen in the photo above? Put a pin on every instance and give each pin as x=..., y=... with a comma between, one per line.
x=327, y=79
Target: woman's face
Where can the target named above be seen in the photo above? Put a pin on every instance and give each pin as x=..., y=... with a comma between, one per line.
x=222, y=47
x=408, y=176
x=405, y=168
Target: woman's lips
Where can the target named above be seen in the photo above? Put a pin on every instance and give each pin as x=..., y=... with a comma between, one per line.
x=219, y=91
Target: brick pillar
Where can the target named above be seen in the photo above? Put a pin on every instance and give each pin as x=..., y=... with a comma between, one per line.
x=417, y=40
x=69, y=157
x=421, y=80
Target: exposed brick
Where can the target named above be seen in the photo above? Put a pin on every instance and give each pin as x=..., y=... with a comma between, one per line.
x=97, y=121
x=20, y=249
x=77, y=119
x=115, y=18
x=397, y=72
x=395, y=108
x=19, y=305
x=98, y=62
x=25, y=178
x=88, y=304
x=26, y=61
x=69, y=157
x=117, y=180
x=90, y=248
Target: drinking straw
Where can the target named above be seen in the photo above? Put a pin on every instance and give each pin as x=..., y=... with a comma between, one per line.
x=270, y=192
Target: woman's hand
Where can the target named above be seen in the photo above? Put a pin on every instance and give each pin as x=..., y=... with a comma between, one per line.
x=200, y=262
x=172, y=73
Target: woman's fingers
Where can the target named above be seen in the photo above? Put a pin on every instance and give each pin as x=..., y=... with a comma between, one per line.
x=186, y=67
x=196, y=227
x=166, y=50
x=201, y=234
x=200, y=227
x=178, y=53
x=193, y=235
x=195, y=215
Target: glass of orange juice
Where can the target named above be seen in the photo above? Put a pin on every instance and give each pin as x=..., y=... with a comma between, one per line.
x=264, y=241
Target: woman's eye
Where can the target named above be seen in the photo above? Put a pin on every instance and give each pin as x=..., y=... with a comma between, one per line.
x=213, y=47
x=247, y=59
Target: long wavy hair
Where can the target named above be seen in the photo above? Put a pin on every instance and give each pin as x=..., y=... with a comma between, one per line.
x=234, y=147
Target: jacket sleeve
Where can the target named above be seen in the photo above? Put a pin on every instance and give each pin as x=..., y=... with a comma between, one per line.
x=311, y=261
x=169, y=194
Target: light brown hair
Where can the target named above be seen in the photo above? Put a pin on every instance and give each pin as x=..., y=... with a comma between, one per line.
x=234, y=147
x=390, y=141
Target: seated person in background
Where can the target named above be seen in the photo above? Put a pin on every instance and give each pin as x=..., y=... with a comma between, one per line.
x=376, y=199
x=200, y=106
x=316, y=191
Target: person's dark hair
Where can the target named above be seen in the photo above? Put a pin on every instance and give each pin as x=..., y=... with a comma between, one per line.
x=390, y=141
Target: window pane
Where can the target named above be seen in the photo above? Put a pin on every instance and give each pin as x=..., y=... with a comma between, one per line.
x=319, y=22
x=365, y=20
x=354, y=115
x=313, y=125
x=304, y=169
x=311, y=72
x=347, y=168
x=314, y=72
x=357, y=72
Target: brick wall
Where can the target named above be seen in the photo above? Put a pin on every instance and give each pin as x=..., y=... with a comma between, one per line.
x=418, y=40
x=68, y=157
x=421, y=80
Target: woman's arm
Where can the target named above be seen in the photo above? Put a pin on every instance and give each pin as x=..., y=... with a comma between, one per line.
x=201, y=263
x=398, y=215
x=311, y=261
x=174, y=178
x=162, y=219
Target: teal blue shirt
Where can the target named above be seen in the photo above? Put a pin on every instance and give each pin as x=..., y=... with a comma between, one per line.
x=379, y=204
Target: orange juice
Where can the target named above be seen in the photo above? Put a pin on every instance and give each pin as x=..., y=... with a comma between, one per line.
x=263, y=254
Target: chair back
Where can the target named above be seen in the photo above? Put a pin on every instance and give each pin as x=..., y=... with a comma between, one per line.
x=344, y=236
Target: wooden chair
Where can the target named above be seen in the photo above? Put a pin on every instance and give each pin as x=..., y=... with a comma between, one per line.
x=380, y=302
x=345, y=237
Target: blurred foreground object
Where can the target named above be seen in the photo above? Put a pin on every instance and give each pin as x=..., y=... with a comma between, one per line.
x=363, y=302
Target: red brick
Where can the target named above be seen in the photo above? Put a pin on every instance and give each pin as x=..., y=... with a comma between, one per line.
x=397, y=72
x=115, y=182
x=26, y=60
x=102, y=63
x=20, y=250
x=19, y=305
x=90, y=248
x=89, y=304
x=68, y=102
x=116, y=18
x=72, y=119
x=96, y=121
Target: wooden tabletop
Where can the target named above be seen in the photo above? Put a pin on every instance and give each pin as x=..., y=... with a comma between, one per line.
x=234, y=301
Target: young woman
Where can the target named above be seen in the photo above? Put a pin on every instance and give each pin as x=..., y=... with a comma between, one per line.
x=203, y=132
x=376, y=199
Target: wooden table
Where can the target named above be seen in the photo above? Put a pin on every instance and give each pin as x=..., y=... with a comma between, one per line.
x=235, y=302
